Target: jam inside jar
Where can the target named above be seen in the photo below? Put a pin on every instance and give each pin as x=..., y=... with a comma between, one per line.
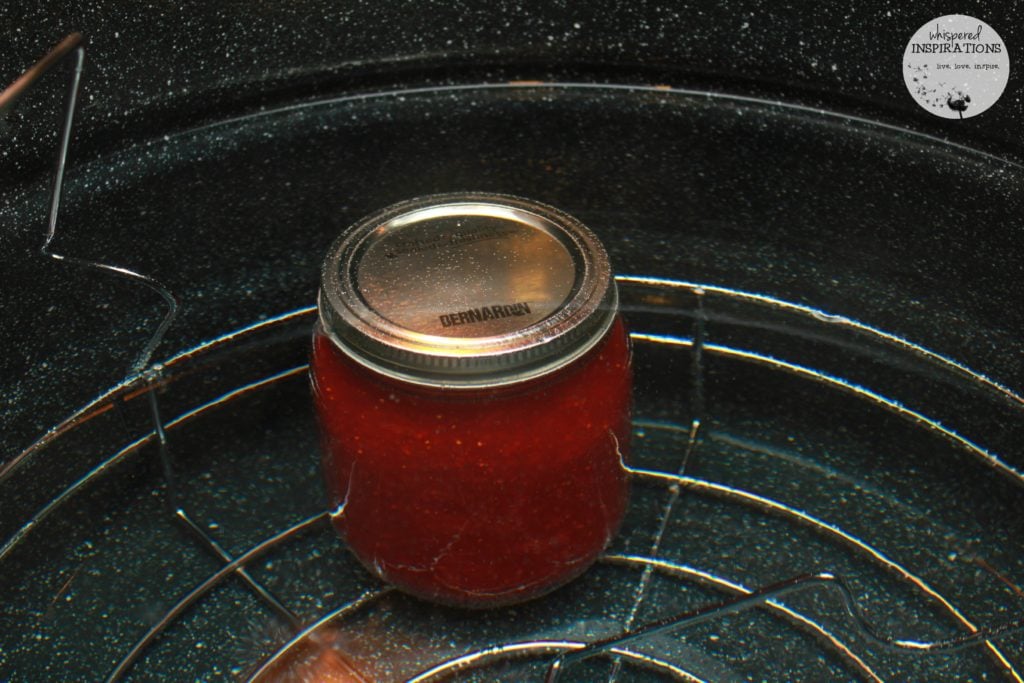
x=472, y=381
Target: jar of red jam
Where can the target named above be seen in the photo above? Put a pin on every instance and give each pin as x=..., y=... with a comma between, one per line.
x=472, y=379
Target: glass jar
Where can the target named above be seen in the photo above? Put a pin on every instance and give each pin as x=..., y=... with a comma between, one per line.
x=472, y=381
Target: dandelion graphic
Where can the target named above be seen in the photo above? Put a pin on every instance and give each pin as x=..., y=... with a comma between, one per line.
x=957, y=101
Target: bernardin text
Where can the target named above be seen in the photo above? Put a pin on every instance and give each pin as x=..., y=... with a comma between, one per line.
x=479, y=315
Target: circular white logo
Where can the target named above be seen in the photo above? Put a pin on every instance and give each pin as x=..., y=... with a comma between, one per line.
x=956, y=66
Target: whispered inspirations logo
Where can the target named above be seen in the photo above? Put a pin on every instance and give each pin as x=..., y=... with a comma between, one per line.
x=956, y=66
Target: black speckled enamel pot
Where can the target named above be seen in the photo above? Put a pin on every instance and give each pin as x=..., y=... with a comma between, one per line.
x=823, y=282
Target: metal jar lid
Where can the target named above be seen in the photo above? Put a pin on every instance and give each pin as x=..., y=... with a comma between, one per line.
x=467, y=290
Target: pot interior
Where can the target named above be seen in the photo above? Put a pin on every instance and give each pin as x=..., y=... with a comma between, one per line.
x=826, y=353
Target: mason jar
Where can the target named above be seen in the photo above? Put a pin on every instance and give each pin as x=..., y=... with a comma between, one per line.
x=472, y=381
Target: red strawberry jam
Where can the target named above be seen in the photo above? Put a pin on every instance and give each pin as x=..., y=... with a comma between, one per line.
x=472, y=382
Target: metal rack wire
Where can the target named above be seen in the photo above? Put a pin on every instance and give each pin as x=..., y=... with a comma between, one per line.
x=146, y=377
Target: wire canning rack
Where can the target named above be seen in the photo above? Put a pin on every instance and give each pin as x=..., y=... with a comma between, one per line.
x=250, y=580
x=854, y=488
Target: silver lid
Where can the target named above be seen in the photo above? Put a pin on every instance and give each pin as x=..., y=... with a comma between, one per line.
x=467, y=290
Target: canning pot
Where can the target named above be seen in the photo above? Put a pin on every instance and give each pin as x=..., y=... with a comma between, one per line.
x=821, y=280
